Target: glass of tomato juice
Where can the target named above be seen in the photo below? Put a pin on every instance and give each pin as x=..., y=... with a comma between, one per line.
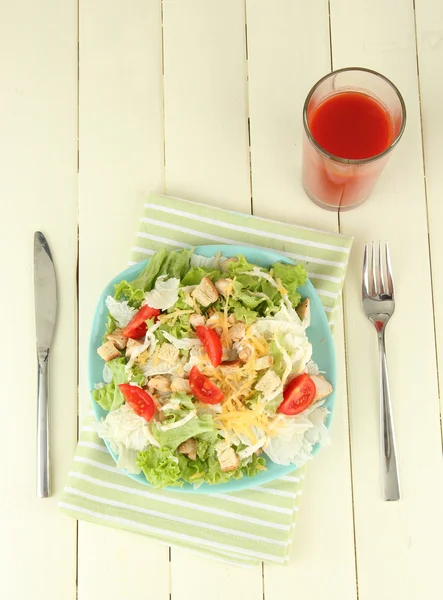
x=353, y=118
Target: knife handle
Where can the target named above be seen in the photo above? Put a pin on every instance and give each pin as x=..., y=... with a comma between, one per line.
x=43, y=428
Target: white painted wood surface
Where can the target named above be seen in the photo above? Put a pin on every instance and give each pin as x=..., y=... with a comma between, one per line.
x=161, y=101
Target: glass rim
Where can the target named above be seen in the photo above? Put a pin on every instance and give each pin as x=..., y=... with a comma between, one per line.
x=353, y=161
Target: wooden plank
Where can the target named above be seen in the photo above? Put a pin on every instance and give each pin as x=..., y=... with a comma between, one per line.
x=397, y=543
x=207, y=159
x=206, y=133
x=429, y=21
x=121, y=159
x=283, y=38
x=38, y=154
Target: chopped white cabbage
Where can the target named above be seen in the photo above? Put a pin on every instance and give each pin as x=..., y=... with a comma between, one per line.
x=210, y=262
x=152, y=367
x=291, y=333
x=297, y=435
x=191, y=414
x=120, y=311
x=183, y=343
x=257, y=273
x=149, y=342
x=107, y=374
x=164, y=294
x=127, y=434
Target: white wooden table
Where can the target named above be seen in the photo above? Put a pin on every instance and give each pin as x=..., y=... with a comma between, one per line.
x=102, y=101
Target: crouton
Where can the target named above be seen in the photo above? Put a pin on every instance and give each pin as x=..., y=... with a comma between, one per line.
x=268, y=383
x=322, y=386
x=205, y=293
x=230, y=365
x=131, y=345
x=237, y=332
x=303, y=309
x=223, y=286
x=160, y=383
x=263, y=363
x=214, y=319
x=245, y=354
x=118, y=339
x=168, y=353
x=189, y=448
x=227, y=457
x=108, y=351
x=195, y=320
x=224, y=264
x=180, y=385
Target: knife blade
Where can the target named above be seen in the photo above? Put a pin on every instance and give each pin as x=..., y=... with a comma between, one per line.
x=45, y=300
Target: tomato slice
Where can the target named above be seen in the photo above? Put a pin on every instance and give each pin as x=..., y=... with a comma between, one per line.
x=297, y=395
x=203, y=388
x=139, y=400
x=136, y=328
x=211, y=343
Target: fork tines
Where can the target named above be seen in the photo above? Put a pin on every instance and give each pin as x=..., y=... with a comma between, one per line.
x=375, y=283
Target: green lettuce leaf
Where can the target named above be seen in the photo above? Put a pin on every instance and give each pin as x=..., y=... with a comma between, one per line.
x=172, y=438
x=110, y=397
x=196, y=274
x=160, y=466
x=125, y=290
x=163, y=262
x=291, y=276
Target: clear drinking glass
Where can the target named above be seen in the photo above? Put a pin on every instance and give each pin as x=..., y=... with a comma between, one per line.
x=338, y=182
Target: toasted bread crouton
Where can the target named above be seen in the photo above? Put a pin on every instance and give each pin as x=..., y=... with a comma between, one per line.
x=303, y=309
x=195, y=320
x=180, y=385
x=118, y=339
x=230, y=365
x=108, y=351
x=268, y=383
x=168, y=353
x=131, y=345
x=160, y=383
x=263, y=363
x=245, y=354
x=227, y=457
x=322, y=386
x=224, y=264
x=189, y=448
x=223, y=286
x=205, y=293
x=237, y=332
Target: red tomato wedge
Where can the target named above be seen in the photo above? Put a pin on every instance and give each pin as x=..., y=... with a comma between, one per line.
x=136, y=328
x=139, y=400
x=297, y=395
x=203, y=388
x=211, y=343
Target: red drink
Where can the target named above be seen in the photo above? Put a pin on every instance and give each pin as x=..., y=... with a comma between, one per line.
x=351, y=125
x=348, y=136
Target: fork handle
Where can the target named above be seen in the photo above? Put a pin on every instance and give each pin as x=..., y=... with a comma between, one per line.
x=389, y=468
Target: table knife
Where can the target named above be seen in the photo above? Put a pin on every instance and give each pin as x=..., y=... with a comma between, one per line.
x=45, y=299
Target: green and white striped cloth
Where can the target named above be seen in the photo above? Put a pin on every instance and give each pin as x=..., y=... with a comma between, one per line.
x=242, y=527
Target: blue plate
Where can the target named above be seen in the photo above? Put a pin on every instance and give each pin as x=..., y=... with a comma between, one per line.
x=318, y=333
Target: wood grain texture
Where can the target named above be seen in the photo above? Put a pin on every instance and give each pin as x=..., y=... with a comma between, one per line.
x=38, y=157
x=396, y=542
x=429, y=23
x=288, y=50
x=206, y=133
x=121, y=159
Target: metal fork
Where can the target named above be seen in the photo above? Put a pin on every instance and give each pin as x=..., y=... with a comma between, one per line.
x=378, y=305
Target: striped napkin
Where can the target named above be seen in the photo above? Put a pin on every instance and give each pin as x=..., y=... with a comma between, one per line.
x=243, y=527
